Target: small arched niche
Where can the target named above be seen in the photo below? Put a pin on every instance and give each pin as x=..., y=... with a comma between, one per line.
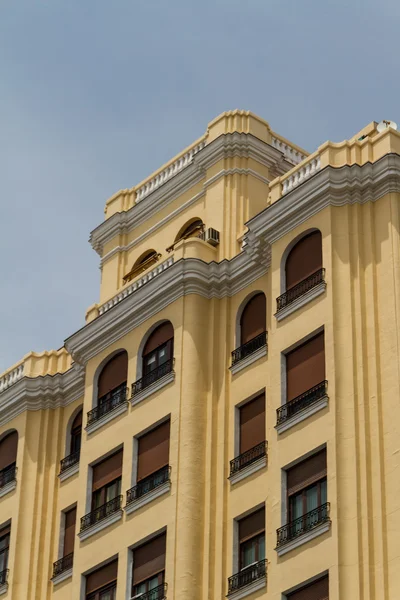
x=112, y=379
x=302, y=259
x=252, y=318
x=145, y=260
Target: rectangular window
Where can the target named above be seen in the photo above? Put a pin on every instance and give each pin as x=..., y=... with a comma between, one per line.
x=153, y=451
x=306, y=486
x=305, y=367
x=102, y=583
x=318, y=590
x=252, y=424
x=4, y=548
x=252, y=539
x=107, y=480
x=149, y=567
x=69, y=531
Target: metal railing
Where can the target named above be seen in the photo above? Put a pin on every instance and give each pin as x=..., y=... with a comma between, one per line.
x=100, y=513
x=148, y=484
x=158, y=593
x=299, y=526
x=69, y=461
x=300, y=289
x=249, y=347
x=152, y=376
x=107, y=403
x=247, y=575
x=301, y=402
x=143, y=266
x=247, y=458
x=7, y=475
x=4, y=576
x=63, y=564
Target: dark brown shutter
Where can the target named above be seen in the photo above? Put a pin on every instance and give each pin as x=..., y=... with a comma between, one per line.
x=252, y=423
x=108, y=470
x=319, y=590
x=8, y=450
x=252, y=525
x=305, y=367
x=69, y=531
x=253, y=320
x=114, y=374
x=102, y=577
x=307, y=472
x=149, y=559
x=77, y=422
x=153, y=451
x=162, y=334
x=5, y=531
x=304, y=259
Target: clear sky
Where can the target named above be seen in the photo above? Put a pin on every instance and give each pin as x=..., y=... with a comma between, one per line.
x=95, y=95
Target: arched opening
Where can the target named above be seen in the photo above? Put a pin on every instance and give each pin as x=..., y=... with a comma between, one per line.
x=76, y=434
x=156, y=358
x=304, y=259
x=146, y=260
x=251, y=325
x=112, y=380
x=192, y=228
x=8, y=458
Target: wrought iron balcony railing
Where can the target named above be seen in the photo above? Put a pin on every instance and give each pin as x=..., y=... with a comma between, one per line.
x=247, y=458
x=300, y=289
x=258, y=342
x=69, y=461
x=7, y=475
x=4, y=576
x=152, y=376
x=63, y=564
x=301, y=402
x=148, y=484
x=299, y=526
x=100, y=513
x=158, y=593
x=247, y=575
x=107, y=404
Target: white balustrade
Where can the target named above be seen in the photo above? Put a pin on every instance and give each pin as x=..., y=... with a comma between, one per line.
x=301, y=174
x=12, y=377
x=291, y=154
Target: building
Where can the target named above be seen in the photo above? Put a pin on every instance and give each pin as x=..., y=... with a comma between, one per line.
x=227, y=421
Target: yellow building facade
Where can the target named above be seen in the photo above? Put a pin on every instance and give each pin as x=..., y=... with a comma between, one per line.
x=227, y=421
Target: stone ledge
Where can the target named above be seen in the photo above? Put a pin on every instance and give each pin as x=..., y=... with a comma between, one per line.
x=62, y=576
x=147, y=498
x=93, y=529
x=248, y=589
x=257, y=465
x=153, y=388
x=302, y=415
x=301, y=301
x=249, y=360
x=303, y=539
x=9, y=487
x=69, y=472
x=116, y=412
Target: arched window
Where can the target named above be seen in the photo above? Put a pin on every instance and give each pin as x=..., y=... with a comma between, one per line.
x=76, y=434
x=8, y=458
x=304, y=259
x=146, y=260
x=191, y=229
x=112, y=379
x=158, y=350
x=253, y=319
x=73, y=443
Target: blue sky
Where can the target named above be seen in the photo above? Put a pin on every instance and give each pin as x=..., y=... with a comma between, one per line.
x=96, y=95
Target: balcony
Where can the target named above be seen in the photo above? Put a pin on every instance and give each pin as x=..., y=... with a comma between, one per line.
x=148, y=484
x=4, y=577
x=303, y=529
x=300, y=294
x=69, y=461
x=101, y=517
x=250, y=351
x=153, y=381
x=253, y=577
x=302, y=406
x=107, y=407
x=158, y=593
x=63, y=565
x=249, y=461
x=7, y=476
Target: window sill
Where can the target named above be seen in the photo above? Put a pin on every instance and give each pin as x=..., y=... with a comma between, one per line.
x=113, y=414
x=302, y=415
x=69, y=472
x=152, y=388
x=3, y=588
x=249, y=470
x=9, y=487
x=62, y=576
x=303, y=539
x=301, y=301
x=245, y=362
x=147, y=498
x=93, y=529
x=248, y=589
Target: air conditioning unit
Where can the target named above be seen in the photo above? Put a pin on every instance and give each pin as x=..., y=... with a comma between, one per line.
x=211, y=236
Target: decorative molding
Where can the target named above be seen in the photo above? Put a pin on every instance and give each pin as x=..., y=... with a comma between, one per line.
x=62, y=576
x=153, y=388
x=249, y=360
x=303, y=539
x=11, y=377
x=93, y=529
x=302, y=415
x=249, y=589
x=110, y=416
x=250, y=470
x=69, y=472
x=3, y=588
x=301, y=301
x=147, y=498
x=9, y=487
x=301, y=174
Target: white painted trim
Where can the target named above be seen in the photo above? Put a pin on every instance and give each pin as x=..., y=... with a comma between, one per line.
x=116, y=412
x=302, y=415
x=304, y=539
x=147, y=498
x=301, y=301
x=153, y=388
x=62, y=576
x=249, y=470
x=3, y=588
x=248, y=589
x=249, y=360
x=9, y=487
x=69, y=472
x=93, y=529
